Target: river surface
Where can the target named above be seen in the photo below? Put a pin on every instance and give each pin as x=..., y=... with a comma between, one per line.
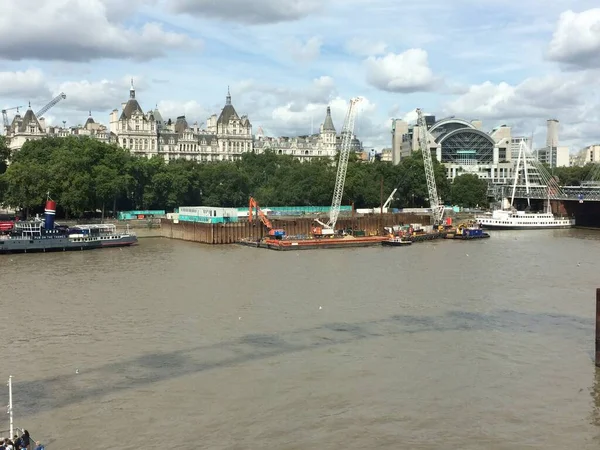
x=440, y=345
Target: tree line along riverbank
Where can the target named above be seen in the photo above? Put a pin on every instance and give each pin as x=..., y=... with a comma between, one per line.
x=83, y=174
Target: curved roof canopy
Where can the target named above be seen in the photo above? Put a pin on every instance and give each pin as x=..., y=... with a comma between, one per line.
x=467, y=146
x=457, y=123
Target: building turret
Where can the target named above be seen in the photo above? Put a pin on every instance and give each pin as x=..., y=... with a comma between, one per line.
x=328, y=124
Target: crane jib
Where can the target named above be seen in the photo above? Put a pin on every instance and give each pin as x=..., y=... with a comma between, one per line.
x=347, y=134
x=437, y=208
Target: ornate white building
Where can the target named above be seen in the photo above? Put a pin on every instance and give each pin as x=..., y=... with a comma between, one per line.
x=323, y=144
x=133, y=129
x=29, y=127
x=225, y=138
x=25, y=128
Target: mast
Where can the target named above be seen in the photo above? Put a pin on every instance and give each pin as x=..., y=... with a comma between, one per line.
x=526, y=170
x=514, y=188
x=10, y=405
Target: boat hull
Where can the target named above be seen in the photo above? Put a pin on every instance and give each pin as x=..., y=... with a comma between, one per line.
x=526, y=227
x=61, y=244
x=396, y=243
x=313, y=244
x=464, y=237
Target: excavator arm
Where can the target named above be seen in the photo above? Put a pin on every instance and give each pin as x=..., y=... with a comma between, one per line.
x=277, y=233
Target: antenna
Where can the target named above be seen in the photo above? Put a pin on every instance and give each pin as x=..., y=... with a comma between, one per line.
x=531, y=142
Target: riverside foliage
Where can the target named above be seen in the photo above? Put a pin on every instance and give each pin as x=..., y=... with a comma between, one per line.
x=84, y=175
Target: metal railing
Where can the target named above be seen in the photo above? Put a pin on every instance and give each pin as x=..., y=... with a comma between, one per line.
x=585, y=192
x=19, y=432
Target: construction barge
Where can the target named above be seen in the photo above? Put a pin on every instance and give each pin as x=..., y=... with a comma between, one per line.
x=467, y=231
x=315, y=243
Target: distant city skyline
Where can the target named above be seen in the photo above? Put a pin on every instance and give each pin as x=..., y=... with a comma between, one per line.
x=285, y=61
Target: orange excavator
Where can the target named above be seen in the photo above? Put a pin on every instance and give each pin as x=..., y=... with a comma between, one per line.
x=276, y=233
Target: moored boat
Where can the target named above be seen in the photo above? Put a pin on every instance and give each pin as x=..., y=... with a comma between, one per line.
x=46, y=236
x=396, y=241
x=522, y=220
x=509, y=218
x=467, y=231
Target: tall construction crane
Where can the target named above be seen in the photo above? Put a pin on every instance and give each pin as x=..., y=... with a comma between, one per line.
x=53, y=102
x=338, y=191
x=437, y=207
x=5, y=115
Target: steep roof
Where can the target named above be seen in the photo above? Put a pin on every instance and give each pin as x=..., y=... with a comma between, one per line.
x=228, y=113
x=28, y=120
x=157, y=115
x=328, y=124
x=181, y=125
x=245, y=122
x=132, y=105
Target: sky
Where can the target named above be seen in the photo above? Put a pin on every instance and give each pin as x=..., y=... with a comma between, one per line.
x=515, y=62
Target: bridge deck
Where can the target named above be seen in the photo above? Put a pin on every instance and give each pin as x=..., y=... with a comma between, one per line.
x=575, y=193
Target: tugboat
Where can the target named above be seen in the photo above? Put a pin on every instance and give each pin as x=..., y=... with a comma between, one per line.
x=468, y=230
x=396, y=241
x=46, y=236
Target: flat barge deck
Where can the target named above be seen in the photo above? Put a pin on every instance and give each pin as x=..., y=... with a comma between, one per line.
x=461, y=237
x=426, y=236
x=311, y=244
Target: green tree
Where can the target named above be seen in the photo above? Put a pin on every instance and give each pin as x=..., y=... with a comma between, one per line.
x=4, y=158
x=4, y=154
x=469, y=191
x=83, y=175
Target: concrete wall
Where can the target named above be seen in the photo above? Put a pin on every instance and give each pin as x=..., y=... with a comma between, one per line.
x=229, y=233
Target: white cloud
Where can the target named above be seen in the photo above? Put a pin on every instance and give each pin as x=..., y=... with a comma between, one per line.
x=365, y=47
x=404, y=72
x=79, y=30
x=576, y=40
x=254, y=12
x=524, y=88
x=103, y=95
x=26, y=85
x=260, y=95
x=117, y=10
x=572, y=98
x=192, y=110
x=288, y=120
x=305, y=51
x=534, y=97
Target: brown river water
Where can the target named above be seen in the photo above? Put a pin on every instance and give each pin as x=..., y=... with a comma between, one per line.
x=440, y=345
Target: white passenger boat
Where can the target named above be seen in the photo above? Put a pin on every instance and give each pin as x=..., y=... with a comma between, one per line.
x=521, y=220
x=511, y=219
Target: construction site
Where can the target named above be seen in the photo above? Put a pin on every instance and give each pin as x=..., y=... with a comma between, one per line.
x=319, y=227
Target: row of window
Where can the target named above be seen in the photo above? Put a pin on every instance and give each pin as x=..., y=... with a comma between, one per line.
x=204, y=158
